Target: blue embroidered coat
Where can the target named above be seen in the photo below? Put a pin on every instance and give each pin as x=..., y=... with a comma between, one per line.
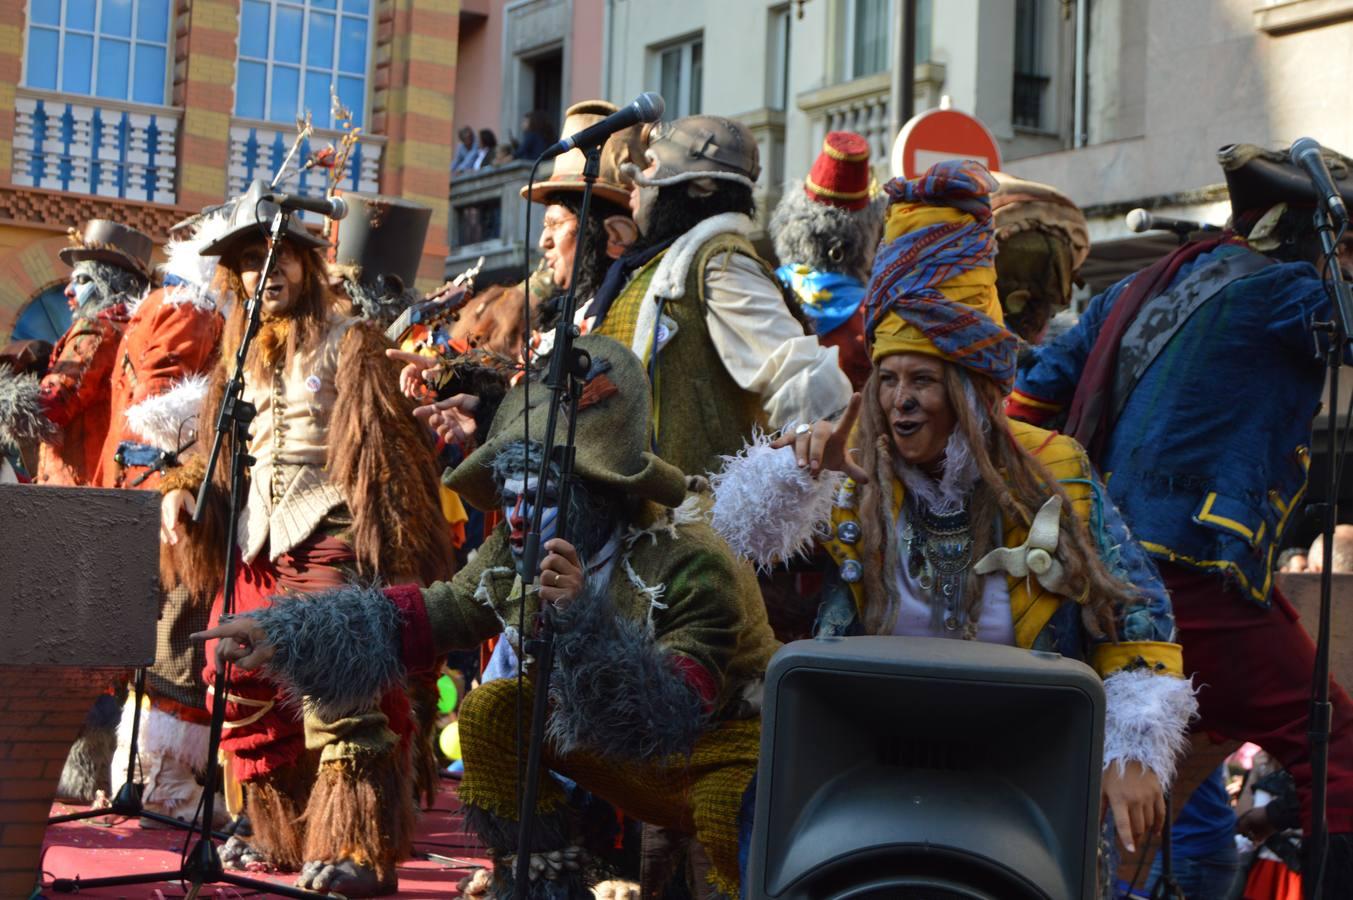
x=1209, y=456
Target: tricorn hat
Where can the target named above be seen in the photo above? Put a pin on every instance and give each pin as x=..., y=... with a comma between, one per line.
x=614, y=431
x=249, y=218
x=840, y=174
x=1258, y=180
x=625, y=146
x=383, y=236
x=110, y=242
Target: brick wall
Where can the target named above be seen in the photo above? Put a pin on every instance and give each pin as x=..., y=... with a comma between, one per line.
x=41, y=711
x=413, y=105
x=204, y=84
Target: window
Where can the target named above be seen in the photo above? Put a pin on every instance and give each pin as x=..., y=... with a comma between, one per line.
x=681, y=76
x=777, y=59
x=478, y=222
x=117, y=49
x=868, y=37
x=45, y=318
x=925, y=24
x=294, y=52
x=1029, y=82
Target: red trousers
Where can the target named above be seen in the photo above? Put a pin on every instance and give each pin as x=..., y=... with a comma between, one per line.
x=1254, y=668
x=263, y=734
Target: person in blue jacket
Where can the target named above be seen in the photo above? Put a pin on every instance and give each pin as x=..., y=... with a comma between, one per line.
x=1193, y=384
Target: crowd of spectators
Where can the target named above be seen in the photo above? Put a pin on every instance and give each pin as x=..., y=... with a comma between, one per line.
x=481, y=150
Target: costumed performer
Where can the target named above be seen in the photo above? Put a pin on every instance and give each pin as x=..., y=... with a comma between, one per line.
x=342, y=486
x=1196, y=382
x=825, y=236
x=158, y=385
x=1042, y=240
x=955, y=522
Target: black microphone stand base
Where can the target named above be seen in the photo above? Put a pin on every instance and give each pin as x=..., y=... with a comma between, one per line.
x=201, y=867
x=129, y=802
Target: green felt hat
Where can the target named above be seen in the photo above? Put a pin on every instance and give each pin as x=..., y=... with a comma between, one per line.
x=613, y=432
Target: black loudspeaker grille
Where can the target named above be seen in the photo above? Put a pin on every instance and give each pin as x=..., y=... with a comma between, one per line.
x=911, y=752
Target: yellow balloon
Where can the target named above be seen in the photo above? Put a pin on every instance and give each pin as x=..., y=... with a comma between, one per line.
x=450, y=741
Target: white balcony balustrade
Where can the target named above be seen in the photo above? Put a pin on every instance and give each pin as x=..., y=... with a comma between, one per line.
x=91, y=146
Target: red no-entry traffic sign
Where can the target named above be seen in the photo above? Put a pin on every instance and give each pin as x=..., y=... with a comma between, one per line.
x=940, y=134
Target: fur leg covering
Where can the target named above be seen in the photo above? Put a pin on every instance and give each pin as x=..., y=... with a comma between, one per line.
x=21, y=415
x=615, y=691
x=1146, y=720
x=274, y=804
x=89, y=765
x=558, y=868
x=170, y=753
x=766, y=507
x=336, y=648
x=423, y=707
x=361, y=809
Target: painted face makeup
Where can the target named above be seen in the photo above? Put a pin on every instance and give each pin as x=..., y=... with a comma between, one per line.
x=81, y=287
x=518, y=496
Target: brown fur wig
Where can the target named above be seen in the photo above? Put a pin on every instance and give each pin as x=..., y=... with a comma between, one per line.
x=379, y=457
x=382, y=460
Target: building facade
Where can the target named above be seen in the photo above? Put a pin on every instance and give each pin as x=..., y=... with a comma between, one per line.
x=516, y=57
x=144, y=111
x=1119, y=103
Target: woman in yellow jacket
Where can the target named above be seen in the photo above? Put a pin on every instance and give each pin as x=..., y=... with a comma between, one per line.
x=945, y=519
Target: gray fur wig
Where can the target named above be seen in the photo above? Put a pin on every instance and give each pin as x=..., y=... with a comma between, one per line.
x=614, y=690
x=21, y=416
x=826, y=238
x=112, y=285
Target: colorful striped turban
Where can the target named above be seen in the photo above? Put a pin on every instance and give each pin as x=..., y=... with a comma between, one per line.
x=933, y=288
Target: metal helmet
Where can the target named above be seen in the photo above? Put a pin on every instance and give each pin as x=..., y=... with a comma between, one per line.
x=701, y=149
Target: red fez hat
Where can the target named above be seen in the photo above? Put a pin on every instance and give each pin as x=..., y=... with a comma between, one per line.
x=840, y=174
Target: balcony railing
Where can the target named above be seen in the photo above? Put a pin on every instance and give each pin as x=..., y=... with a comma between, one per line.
x=88, y=145
x=257, y=150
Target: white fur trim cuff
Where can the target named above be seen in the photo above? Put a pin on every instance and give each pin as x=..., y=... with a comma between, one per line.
x=163, y=421
x=766, y=507
x=1146, y=720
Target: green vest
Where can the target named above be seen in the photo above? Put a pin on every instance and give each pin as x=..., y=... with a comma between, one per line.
x=699, y=412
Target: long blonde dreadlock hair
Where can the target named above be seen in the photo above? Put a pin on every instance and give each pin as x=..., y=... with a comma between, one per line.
x=1017, y=495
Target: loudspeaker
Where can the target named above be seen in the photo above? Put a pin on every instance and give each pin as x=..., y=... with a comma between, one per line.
x=926, y=768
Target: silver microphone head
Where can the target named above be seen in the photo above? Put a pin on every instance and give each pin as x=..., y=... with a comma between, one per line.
x=338, y=208
x=1138, y=220
x=651, y=106
x=1301, y=147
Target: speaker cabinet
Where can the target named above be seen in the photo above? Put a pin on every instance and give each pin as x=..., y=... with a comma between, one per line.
x=925, y=768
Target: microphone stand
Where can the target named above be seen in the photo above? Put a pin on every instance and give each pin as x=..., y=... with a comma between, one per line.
x=568, y=368
x=202, y=864
x=1318, y=734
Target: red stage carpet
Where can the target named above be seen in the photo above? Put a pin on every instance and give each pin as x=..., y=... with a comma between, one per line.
x=443, y=854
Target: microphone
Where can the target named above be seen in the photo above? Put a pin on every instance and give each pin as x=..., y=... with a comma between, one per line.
x=333, y=207
x=647, y=107
x=1139, y=220
x=1305, y=154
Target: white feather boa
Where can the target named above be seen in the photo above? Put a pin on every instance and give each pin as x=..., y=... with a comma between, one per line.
x=165, y=419
x=1146, y=720
x=766, y=507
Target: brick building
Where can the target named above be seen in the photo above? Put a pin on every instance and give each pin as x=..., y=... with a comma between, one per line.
x=144, y=111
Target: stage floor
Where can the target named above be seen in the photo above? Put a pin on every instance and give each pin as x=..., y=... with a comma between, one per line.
x=443, y=854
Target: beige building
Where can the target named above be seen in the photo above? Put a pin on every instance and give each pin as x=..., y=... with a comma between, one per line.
x=1120, y=103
